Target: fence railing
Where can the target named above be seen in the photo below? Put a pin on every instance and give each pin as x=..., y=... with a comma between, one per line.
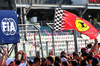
x=43, y=1
x=63, y=41
x=68, y=46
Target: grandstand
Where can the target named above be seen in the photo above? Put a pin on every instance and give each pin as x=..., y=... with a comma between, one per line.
x=44, y=11
x=63, y=40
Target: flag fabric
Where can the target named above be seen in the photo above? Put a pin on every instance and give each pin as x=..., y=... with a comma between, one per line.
x=86, y=28
x=65, y=20
x=59, y=20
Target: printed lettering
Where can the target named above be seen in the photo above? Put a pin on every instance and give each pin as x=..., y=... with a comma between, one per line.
x=8, y=26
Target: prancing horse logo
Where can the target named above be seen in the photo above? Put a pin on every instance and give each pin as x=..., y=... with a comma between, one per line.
x=81, y=26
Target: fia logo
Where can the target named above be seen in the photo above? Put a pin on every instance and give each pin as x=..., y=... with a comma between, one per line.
x=8, y=26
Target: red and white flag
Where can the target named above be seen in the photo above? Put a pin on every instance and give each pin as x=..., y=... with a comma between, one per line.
x=65, y=20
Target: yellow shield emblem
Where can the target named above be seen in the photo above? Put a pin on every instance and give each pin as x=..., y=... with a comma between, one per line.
x=81, y=26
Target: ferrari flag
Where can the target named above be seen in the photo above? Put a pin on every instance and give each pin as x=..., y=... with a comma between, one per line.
x=65, y=20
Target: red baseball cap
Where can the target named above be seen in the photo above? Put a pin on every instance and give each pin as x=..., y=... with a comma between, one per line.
x=97, y=56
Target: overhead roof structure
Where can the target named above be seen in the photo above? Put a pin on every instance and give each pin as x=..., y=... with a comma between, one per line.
x=52, y=6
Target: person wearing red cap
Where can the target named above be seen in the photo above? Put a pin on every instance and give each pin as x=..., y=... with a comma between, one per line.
x=97, y=56
x=70, y=55
x=84, y=49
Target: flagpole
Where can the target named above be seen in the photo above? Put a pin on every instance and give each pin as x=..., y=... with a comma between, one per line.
x=53, y=40
x=75, y=41
x=52, y=28
x=39, y=39
x=75, y=37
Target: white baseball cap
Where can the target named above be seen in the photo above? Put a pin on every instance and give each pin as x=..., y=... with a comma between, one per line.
x=9, y=60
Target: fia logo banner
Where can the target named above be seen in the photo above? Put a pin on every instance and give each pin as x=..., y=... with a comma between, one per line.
x=8, y=26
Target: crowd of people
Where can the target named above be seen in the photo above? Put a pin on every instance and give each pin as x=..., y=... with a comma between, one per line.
x=89, y=56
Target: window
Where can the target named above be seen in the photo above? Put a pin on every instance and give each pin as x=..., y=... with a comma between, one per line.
x=7, y=5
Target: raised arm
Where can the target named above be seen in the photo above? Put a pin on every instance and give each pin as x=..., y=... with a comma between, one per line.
x=16, y=56
x=3, y=58
x=93, y=49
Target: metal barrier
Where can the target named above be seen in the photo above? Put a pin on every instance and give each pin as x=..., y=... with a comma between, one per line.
x=67, y=46
x=43, y=1
x=63, y=41
x=25, y=33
